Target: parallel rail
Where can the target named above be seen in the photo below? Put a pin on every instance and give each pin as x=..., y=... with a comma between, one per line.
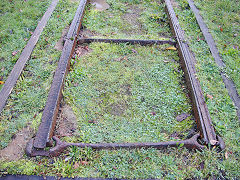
x=26, y=53
x=45, y=132
x=232, y=91
x=46, y=128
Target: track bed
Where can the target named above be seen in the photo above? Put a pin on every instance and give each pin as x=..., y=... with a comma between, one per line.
x=124, y=81
x=127, y=93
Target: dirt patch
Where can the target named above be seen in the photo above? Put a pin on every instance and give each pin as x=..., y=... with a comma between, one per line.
x=85, y=33
x=100, y=5
x=132, y=19
x=66, y=122
x=60, y=43
x=16, y=149
x=81, y=50
x=174, y=4
x=1, y=59
x=126, y=89
x=117, y=109
x=182, y=117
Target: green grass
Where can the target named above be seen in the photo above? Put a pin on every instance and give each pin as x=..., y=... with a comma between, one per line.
x=17, y=20
x=129, y=19
x=223, y=20
x=163, y=164
x=133, y=93
x=26, y=103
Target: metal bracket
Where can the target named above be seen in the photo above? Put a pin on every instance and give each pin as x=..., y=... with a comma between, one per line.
x=191, y=143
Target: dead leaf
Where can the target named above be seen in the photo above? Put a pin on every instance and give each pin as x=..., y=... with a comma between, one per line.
x=182, y=117
x=134, y=51
x=92, y=121
x=86, y=48
x=226, y=155
x=76, y=165
x=35, y=115
x=209, y=96
x=1, y=82
x=84, y=163
x=153, y=113
x=171, y=48
x=213, y=142
x=14, y=53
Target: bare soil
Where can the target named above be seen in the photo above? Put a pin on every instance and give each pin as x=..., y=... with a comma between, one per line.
x=118, y=109
x=85, y=33
x=174, y=4
x=16, y=149
x=66, y=122
x=60, y=43
x=100, y=5
x=132, y=19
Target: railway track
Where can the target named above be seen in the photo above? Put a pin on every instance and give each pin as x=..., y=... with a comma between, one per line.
x=206, y=134
x=45, y=132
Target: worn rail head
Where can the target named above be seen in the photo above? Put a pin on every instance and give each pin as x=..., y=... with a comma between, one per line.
x=46, y=128
x=200, y=109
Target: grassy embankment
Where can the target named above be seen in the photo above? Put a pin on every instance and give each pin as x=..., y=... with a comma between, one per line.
x=28, y=98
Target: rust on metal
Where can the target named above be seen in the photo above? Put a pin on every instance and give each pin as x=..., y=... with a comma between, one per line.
x=46, y=128
x=200, y=109
x=129, y=41
x=26, y=53
x=232, y=91
x=191, y=143
x=36, y=146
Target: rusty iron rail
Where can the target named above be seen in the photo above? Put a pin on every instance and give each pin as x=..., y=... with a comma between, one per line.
x=207, y=133
x=232, y=91
x=129, y=41
x=191, y=143
x=26, y=53
x=200, y=109
x=46, y=128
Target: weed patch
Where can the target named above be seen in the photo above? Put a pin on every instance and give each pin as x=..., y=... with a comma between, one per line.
x=26, y=102
x=18, y=20
x=126, y=93
x=128, y=19
x=223, y=21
